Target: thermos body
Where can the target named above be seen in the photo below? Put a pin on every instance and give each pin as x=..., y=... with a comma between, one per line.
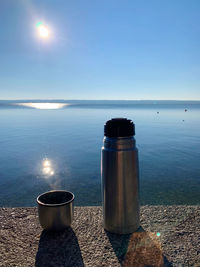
x=120, y=184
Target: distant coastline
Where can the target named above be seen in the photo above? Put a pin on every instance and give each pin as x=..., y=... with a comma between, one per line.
x=152, y=101
x=99, y=104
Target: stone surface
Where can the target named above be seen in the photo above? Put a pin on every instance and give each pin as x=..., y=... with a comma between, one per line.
x=86, y=243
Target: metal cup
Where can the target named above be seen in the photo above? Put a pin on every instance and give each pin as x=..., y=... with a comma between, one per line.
x=55, y=209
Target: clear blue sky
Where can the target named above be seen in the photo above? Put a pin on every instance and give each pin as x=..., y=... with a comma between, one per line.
x=98, y=49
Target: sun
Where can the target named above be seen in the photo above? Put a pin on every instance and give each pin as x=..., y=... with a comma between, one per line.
x=43, y=32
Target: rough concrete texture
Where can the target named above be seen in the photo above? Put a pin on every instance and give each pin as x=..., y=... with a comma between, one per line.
x=86, y=243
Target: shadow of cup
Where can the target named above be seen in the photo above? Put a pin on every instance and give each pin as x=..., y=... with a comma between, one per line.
x=58, y=249
x=55, y=209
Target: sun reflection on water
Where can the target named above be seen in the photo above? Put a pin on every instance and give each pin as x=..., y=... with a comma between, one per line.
x=49, y=173
x=44, y=105
x=47, y=167
x=46, y=163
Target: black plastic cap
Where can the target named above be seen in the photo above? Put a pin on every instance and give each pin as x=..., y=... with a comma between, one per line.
x=119, y=127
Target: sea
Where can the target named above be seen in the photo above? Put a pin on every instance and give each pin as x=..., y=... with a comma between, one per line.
x=56, y=144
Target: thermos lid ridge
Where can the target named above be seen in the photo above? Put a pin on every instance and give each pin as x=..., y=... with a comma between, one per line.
x=119, y=127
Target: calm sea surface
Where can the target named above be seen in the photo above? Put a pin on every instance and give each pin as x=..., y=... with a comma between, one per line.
x=43, y=149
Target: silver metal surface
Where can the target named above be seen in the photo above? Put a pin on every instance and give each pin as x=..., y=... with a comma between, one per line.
x=120, y=185
x=55, y=209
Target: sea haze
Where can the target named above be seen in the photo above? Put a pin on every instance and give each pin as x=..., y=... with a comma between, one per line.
x=57, y=145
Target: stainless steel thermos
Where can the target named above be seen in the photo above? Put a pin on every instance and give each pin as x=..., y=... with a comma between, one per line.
x=120, y=177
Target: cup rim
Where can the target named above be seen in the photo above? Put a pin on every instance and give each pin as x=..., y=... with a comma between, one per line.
x=54, y=205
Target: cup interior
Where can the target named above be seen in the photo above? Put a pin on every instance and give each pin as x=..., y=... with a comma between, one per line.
x=55, y=198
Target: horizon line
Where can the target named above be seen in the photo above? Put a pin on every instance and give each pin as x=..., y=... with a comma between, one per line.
x=62, y=99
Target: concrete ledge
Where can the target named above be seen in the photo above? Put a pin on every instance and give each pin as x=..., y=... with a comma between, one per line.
x=23, y=243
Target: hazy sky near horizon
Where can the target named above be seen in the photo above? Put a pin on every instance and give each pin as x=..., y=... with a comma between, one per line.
x=144, y=49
